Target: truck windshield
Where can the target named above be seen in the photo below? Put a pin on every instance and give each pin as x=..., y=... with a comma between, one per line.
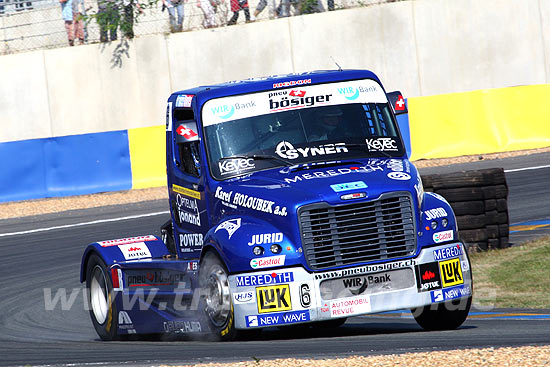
x=321, y=122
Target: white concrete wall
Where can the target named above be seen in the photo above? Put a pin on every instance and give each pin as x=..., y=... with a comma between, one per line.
x=421, y=47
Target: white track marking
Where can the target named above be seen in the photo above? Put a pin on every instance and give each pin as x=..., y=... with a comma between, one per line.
x=525, y=169
x=83, y=224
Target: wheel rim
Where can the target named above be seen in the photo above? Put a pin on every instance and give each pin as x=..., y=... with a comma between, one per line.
x=218, y=301
x=98, y=295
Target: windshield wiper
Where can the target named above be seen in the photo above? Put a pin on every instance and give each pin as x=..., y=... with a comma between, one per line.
x=364, y=148
x=258, y=157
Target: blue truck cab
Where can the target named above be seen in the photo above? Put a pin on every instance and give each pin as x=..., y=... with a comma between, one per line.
x=292, y=201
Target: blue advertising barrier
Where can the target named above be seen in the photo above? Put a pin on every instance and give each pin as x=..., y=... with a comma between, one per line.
x=64, y=166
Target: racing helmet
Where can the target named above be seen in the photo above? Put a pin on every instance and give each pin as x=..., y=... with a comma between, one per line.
x=330, y=117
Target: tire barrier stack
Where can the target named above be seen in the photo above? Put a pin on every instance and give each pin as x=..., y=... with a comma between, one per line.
x=479, y=201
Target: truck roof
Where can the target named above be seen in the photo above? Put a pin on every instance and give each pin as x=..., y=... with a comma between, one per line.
x=274, y=82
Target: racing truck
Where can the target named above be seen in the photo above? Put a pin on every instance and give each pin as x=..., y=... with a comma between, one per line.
x=292, y=201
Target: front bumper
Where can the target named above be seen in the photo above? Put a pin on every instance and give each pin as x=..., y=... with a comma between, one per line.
x=293, y=295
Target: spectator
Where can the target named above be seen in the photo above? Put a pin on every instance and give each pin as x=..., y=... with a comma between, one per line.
x=259, y=8
x=174, y=6
x=107, y=19
x=127, y=24
x=69, y=18
x=236, y=6
x=78, y=12
x=209, y=8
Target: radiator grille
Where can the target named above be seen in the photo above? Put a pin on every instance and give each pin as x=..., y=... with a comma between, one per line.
x=358, y=232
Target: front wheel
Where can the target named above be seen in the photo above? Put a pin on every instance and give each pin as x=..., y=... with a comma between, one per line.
x=216, y=296
x=101, y=304
x=443, y=316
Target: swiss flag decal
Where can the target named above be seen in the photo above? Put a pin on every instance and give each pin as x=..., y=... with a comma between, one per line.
x=185, y=132
x=400, y=103
x=297, y=93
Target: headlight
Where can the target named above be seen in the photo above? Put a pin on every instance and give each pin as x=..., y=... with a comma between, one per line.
x=419, y=191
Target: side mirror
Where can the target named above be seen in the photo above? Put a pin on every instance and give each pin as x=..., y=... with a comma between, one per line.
x=397, y=102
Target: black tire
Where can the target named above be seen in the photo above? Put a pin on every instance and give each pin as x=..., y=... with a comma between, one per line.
x=474, y=235
x=216, y=297
x=443, y=316
x=490, y=204
x=471, y=222
x=329, y=324
x=493, y=243
x=462, y=194
x=503, y=230
x=103, y=310
x=468, y=207
x=502, y=205
x=504, y=242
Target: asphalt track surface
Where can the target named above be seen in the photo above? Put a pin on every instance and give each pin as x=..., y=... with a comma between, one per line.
x=37, y=266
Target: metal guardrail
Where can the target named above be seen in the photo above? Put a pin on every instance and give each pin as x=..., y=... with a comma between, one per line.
x=37, y=24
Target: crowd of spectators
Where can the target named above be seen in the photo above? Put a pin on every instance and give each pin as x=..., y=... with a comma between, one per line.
x=115, y=15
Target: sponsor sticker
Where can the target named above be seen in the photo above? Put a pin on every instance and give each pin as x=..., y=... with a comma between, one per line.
x=187, y=210
x=447, y=252
x=428, y=277
x=124, y=241
x=184, y=100
x=382, y=145
x=451, y=273
x=169, y=116
x=264, y=279
x=230, y=226
x=273, y=298
x=186, y=132
x=400, y=176
x=277, y=318
x=260, y=239
x=365, y=269
x=442, y=295
x=182, y=327
x=348, y=186
x=135, y=251
x=400, y=103
x=187, y=192
x=267, y=262
x=154, y=278
x=443, y=236
x=250, y=202
x=435, y=213
x=243, y=297
x=232, y=166
x=190, y=242
x=287, y=151
x=355, y=195
x=291, y=83
x=350, y=306
x=333, y=172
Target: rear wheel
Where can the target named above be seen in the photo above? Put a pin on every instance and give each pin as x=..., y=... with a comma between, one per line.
x=101, y=304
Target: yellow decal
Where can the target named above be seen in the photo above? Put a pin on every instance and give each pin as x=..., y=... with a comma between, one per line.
x=187, y=192
x=274, y=298
x=110, y=318
x=229, y=323
x=451, y=273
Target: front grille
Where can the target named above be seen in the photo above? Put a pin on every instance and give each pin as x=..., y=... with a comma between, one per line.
x=358, y=232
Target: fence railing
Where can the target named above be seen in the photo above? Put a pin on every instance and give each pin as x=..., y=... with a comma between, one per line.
x=37, y=24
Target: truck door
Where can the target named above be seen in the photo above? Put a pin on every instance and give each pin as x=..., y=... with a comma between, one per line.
x=186, y=183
